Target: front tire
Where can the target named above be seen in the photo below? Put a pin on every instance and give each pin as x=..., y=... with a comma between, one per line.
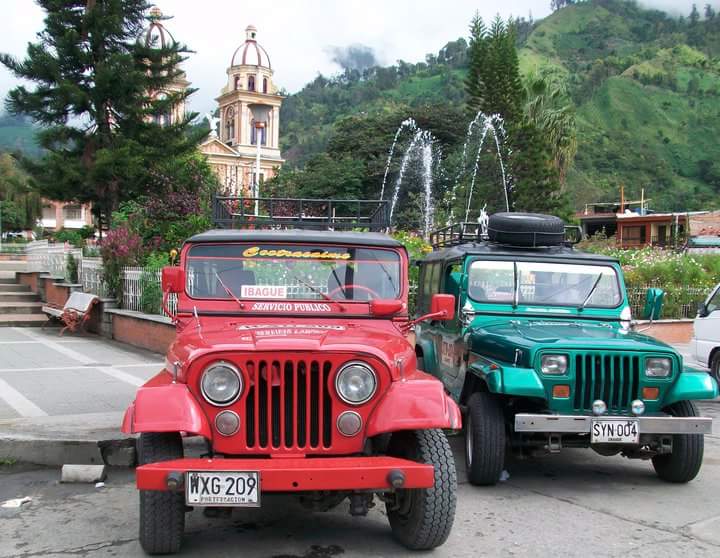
x=683, y=464
x=715, y=367
x=485, y=439
x=421, y=518
x=162, y=513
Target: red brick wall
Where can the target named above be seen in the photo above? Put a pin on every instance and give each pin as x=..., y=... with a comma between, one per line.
x=147, y=334
x=669, y=332
x=28, y=278
x=55, y=294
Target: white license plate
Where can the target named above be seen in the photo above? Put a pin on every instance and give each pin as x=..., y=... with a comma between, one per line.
x=222, y=488
x=615, y=431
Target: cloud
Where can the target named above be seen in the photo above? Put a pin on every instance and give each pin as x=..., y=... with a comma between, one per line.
x=353, y=57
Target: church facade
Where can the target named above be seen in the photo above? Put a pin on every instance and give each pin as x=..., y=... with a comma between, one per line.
x=248, y=114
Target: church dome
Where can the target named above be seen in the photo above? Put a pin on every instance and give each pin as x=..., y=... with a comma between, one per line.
x=156, y=34
x=250, y=53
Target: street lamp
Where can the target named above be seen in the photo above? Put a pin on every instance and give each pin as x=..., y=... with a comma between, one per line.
x=260, y=114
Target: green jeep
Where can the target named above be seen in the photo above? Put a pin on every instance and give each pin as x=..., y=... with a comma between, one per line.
x=542, y=354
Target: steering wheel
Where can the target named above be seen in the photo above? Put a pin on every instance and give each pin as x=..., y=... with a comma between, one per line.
x=345, y=288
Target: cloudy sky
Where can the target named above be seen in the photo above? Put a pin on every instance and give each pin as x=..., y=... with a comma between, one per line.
x=300, y=36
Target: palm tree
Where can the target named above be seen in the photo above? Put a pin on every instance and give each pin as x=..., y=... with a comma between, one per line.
x=549, y=108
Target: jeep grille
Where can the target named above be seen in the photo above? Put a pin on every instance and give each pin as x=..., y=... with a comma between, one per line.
x=288, y=404
x=613, y=378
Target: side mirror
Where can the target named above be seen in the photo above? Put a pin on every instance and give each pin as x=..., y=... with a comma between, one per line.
x=702, y=310
x=385, y=307
x=443, y=307
x=653, y=304
x=173, y=279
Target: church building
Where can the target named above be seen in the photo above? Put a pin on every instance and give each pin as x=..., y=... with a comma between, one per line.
x=249, y=112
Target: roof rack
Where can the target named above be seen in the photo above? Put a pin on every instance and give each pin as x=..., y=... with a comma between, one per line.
x=457, y=233
x=231, y=212
x=464, y=233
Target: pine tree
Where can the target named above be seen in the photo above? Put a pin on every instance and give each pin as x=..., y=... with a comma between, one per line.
x=96, y=98
x=494, y=86
x=477, y=52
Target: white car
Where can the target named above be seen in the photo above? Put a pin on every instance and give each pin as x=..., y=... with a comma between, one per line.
x=706, y=340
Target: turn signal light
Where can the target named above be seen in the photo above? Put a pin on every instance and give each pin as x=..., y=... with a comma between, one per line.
x=561, y=391
x=650, y=393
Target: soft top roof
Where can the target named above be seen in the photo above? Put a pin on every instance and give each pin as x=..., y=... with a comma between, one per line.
x=298, y=236
x=492, y=249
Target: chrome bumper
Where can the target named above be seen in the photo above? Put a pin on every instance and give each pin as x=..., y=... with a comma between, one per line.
x=581, y=424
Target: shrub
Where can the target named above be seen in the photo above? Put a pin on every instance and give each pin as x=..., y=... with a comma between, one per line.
x=71, y=269
x=151, y=297
x=120, y=248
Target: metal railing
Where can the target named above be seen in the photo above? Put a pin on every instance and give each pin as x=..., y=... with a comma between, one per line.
x=281, y=213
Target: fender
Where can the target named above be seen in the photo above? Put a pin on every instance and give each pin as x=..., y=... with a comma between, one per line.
x=166, y=408
x=691, y=384
x=428, y=351
x=508, y=380
x=416, y=402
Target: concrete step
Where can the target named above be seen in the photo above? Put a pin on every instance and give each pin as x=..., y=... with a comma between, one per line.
x=7, y=278
x=22, y=320
x=13, y=288
x=21, y=307
x=13, y=266
x=18, y=297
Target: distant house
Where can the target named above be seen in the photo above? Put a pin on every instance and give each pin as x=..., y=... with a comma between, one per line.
x=651, y=229
x=634, y=225
x=65, y=215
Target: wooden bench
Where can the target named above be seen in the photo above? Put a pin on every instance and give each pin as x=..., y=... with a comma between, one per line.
x=75, y=313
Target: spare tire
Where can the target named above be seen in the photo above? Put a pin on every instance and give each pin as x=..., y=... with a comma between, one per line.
x=526, y=229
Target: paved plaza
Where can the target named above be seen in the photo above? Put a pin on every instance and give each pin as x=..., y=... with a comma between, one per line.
x=572, y=504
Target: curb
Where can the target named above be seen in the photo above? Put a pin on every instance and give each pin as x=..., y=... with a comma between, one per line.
x=57, y=452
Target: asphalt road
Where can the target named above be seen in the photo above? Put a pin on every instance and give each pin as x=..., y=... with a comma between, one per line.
x=572, y=504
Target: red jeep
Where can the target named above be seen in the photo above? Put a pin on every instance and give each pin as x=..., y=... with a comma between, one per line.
x=293, y=360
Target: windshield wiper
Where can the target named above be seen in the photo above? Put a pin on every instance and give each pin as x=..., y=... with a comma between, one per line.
x=589, y=295
x=228, y=291
x=314, y=289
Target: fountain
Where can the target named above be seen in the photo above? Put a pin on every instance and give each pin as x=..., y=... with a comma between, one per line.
x=422, y=149
x=422, y=143
x=487, y=123
x=407, y=123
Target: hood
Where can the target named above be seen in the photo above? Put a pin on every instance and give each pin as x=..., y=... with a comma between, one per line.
x=379, y=338
x=500, y=339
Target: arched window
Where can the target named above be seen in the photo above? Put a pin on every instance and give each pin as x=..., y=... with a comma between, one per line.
x=253, y=134
x=265, y=85
x=237, y=82
x=230, y=125
x=251, y=83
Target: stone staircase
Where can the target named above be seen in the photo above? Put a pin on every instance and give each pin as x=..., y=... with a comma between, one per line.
x=19, y=307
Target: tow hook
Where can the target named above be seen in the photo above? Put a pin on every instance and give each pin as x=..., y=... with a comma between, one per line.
x=174, y=480
x=396, y=478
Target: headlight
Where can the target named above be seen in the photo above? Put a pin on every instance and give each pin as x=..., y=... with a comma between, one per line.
x=658, y=367
x=356, y=383
x=553, y=364
x=221, y=384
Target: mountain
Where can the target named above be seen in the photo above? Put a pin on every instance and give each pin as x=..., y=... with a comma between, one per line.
x=17, y=134
x=645, y=85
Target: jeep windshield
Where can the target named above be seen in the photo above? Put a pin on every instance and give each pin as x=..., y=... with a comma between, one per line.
x=292, y=272
x=541, y=283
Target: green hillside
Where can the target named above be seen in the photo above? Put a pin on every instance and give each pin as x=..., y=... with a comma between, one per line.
x=646, y=88
x=17, y=134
